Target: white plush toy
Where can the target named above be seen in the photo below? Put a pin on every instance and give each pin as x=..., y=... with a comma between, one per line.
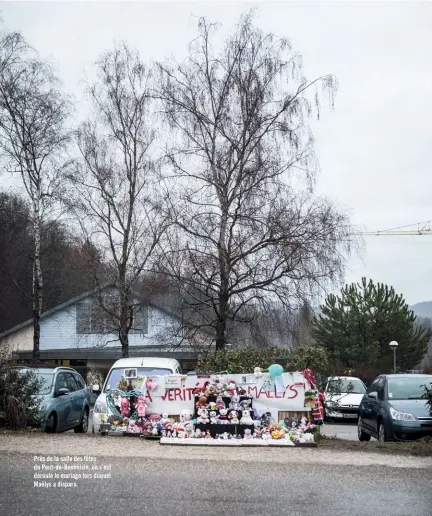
x=257, y=372
x=213, y=417
x=234, y=420
x=265, y=436
x=308, y=437
x=247, y=434
x=186, y=415
x=203, y=416
x=188, y=429
x=246, y=418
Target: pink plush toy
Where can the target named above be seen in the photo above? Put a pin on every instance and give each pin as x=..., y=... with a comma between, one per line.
x=125, y=407
x=150, y=385
x=220, y=403
x=142, y=405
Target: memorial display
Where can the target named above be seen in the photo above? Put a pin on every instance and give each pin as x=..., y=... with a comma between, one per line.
x=222, y=409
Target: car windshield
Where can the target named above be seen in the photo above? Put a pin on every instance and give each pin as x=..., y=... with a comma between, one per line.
x=129, y=378
x=345, y=387
x=408, y=388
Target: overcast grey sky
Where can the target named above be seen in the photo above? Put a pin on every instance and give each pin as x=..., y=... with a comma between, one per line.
x=375, y=149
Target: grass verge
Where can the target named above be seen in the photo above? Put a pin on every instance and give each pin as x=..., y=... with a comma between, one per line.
x=420, y=448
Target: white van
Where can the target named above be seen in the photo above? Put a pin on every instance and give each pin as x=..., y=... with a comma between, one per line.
x=148, y=366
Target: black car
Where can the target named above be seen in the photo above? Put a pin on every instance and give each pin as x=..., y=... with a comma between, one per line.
x=395, y=407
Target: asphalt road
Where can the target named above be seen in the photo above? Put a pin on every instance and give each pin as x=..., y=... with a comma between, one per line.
x=209, y=487
x=346, y=431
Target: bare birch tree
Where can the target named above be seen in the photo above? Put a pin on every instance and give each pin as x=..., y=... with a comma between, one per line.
x=241, y=166
x=33, y=114
x=115, y=180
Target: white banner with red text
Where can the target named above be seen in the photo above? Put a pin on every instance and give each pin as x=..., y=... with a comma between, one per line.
x=173, y=394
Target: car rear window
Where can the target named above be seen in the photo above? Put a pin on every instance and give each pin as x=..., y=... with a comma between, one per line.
x=345, y=387
x=132, y=377
x=46, y=382
x=80, y=382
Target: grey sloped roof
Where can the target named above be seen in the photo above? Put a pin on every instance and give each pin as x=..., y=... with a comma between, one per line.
x=76, y=299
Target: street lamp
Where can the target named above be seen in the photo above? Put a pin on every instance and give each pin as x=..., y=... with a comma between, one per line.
x=393, y=344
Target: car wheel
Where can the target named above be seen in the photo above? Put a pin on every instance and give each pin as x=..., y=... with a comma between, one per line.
x=383, y=435
x=362, y=435
x=83, y=426
x=51, y=424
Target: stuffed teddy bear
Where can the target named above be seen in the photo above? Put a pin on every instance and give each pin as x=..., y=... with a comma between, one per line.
x=223, y=416
x=233, y=416
x=202, y=402
x=247, y=434
x=235, y=403
x=213, y=417
x=125, y=407
x=219, y=403
x=232, y=386
x=210, y=391
x=219, y=387
x=246, y=419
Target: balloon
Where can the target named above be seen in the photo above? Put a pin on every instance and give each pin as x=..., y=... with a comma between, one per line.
x=275, y=370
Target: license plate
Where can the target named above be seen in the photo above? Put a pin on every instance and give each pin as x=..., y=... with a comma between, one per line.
x=350, y=415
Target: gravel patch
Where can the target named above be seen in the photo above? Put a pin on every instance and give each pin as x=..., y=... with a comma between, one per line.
x=113, y=446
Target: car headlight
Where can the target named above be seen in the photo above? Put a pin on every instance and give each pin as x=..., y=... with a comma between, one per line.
x=100, y=407
x=401, y=416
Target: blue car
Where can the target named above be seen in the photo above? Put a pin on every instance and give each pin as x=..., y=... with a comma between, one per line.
x=65, y=399
x=395, y=407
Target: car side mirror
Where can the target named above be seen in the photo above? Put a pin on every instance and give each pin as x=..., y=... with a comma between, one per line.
x=96, y=389
x=373, y=395
x=63, y=392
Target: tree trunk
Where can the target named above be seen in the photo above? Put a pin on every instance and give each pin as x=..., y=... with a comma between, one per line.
x=221, y=324
x=37, y=277
x=124, y=325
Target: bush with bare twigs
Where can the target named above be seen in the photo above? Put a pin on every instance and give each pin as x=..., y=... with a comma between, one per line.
x=19, y=403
